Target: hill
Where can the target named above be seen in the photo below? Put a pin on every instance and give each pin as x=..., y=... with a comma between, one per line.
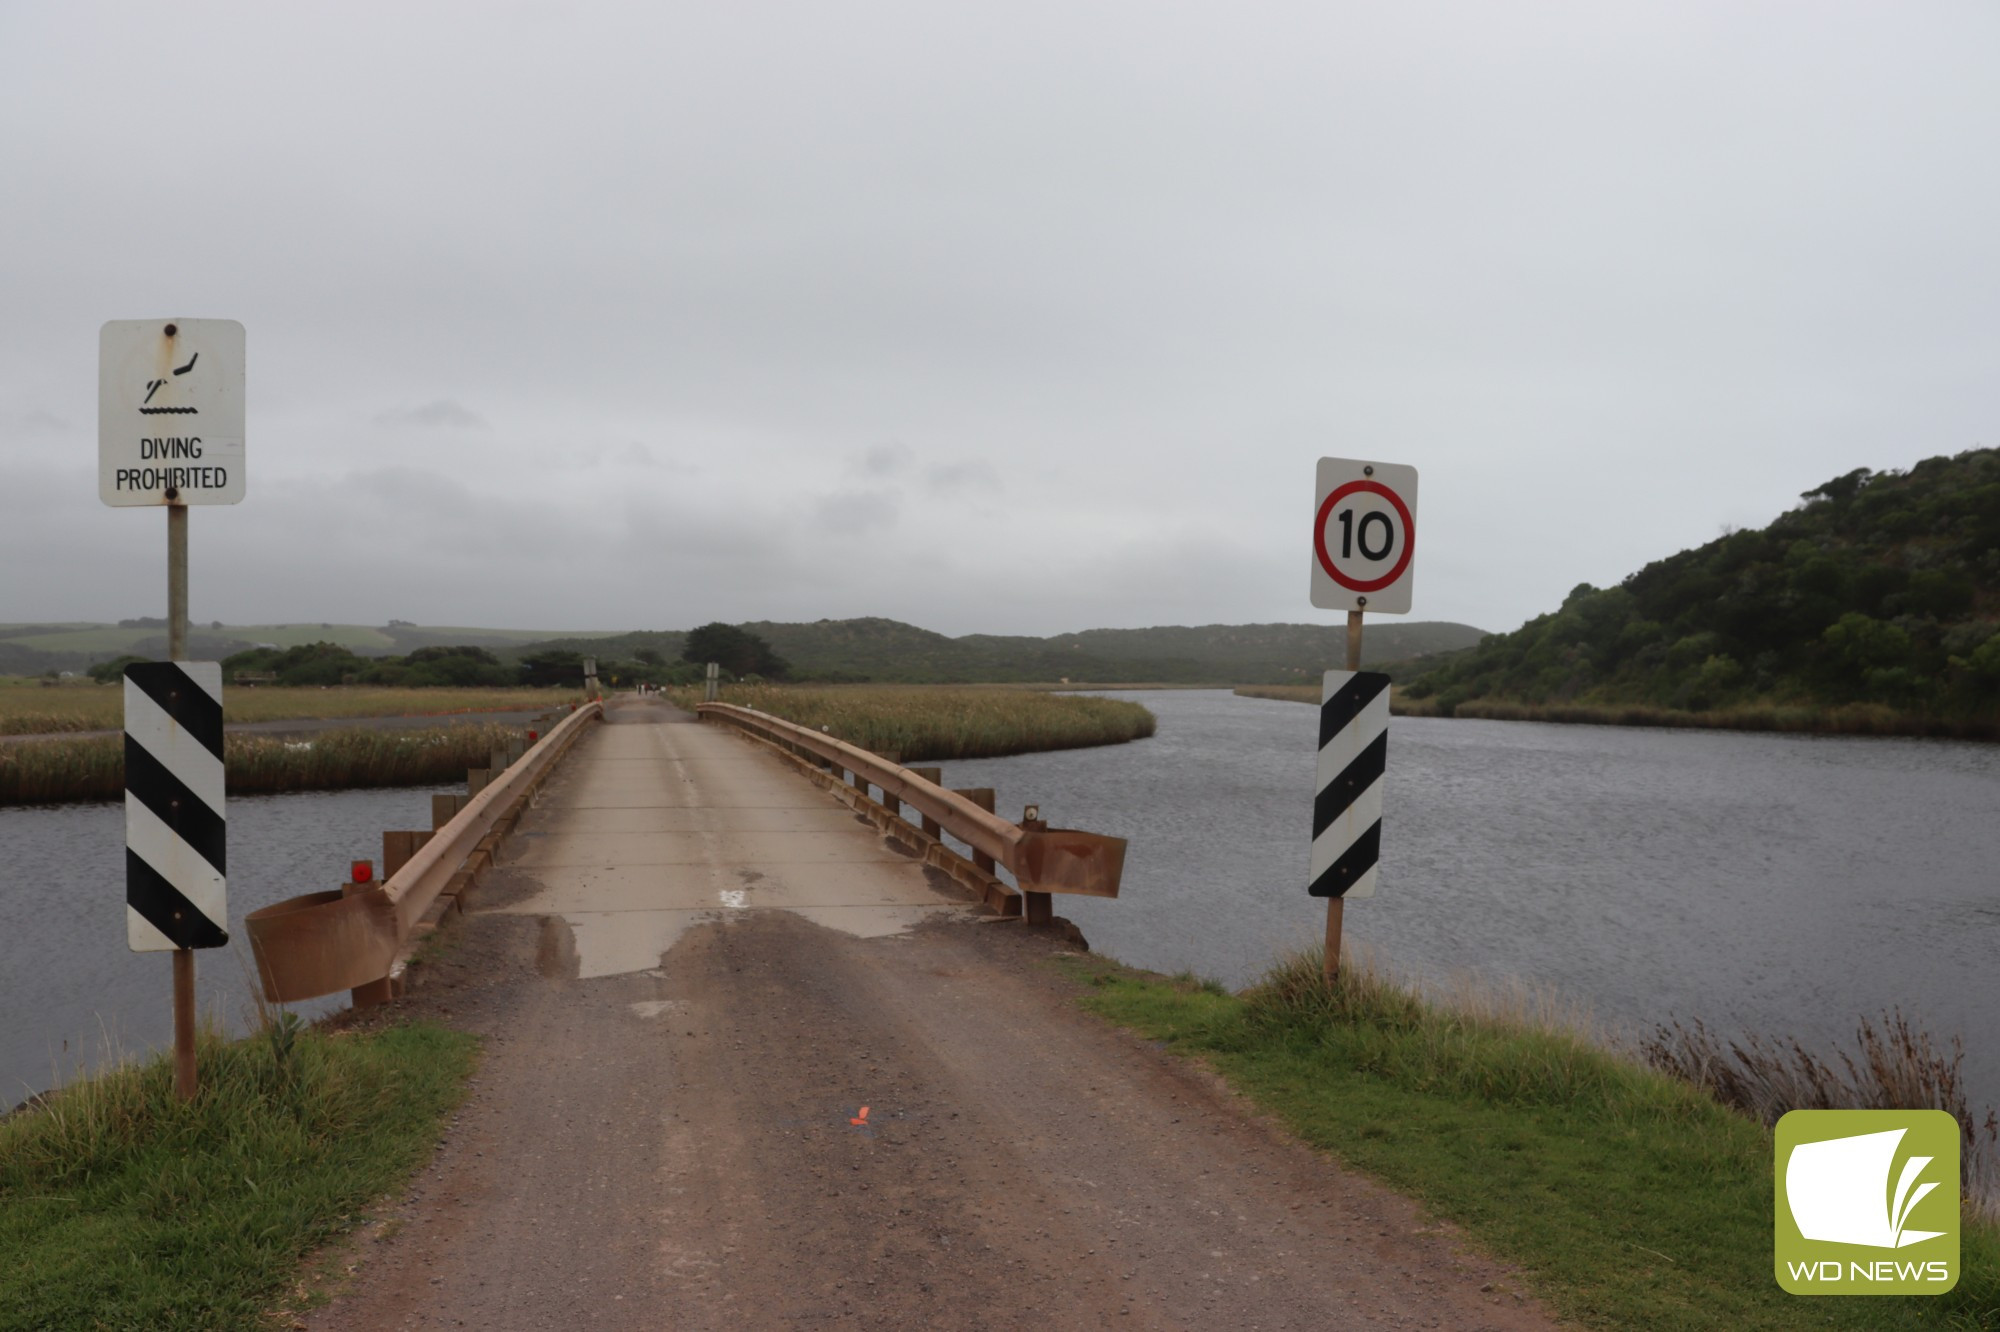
x=35, y=649
x=1880, y=589
x=829, y=650
x=893, y=652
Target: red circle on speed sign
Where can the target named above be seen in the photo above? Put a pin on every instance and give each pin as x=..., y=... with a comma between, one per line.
x=1409, y=537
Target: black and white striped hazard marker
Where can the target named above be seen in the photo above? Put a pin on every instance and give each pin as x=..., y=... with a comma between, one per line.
x=1347, y=811
x=175, y=836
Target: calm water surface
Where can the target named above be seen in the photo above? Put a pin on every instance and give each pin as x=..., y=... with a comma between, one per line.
x=1775, y=884
x=1763, y=883
x=69, y=988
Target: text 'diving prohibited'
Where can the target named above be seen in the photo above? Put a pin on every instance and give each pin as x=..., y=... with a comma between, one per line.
x=1347, y=804
x=175, y=834
x=170, y=411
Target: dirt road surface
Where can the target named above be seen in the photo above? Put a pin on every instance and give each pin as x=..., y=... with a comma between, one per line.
x=781, y=1123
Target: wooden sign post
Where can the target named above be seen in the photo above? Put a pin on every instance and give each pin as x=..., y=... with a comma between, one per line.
x=1364, y=544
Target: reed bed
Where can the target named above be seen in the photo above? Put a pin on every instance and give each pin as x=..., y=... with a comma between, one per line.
x=1895, y=1067
x=1802, y=719
x=926, y=723
x=34, y=710
x=63, y=770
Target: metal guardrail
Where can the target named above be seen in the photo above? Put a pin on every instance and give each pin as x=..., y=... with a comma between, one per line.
x=1042, y=859
x=349, y=939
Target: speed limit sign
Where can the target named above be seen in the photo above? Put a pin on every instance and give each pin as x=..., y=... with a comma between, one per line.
x=1364, y=536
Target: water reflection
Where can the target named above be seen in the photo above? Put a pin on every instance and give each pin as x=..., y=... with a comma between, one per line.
x=69, y=988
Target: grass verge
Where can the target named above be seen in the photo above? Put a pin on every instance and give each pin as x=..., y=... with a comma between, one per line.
x=93, y=767
x=1630, y=1199
x=925, y=723
x=32, y=710
x=120, y=1207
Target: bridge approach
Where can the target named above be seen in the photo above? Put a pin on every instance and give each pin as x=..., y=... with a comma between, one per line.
x=753, y=1061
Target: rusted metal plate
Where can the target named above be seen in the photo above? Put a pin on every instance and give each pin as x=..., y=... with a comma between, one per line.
x=1064, y=860
x=322, y=943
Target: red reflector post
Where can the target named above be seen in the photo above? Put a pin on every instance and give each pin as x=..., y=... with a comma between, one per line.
x=362, y=871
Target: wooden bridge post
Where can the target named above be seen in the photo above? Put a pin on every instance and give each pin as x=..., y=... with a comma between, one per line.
x=1036, y=908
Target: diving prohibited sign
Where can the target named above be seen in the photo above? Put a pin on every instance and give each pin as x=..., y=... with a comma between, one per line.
x=170, y=411
x=1364, y=536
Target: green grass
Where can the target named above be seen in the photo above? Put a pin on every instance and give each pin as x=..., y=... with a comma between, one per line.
x=34, y=710
x=926, y=723
x=93, y=767
x=120, y=1207
x=1629, y=1199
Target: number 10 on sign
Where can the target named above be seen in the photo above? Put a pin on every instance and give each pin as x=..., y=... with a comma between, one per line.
x=1364, y=536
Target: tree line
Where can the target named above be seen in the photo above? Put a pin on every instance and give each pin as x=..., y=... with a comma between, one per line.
x=740, y=654
x=1880, y=587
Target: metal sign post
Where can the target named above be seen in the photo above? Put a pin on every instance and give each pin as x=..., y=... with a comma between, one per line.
x=1364, y=548
x=170, y=426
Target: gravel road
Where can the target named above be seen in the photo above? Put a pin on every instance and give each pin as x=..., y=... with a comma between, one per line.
x=782, y=1125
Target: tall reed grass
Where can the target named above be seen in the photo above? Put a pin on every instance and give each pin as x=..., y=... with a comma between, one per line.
x=1804, y=719
x=33, y=710
x=61, y=770
x=1896, y=1066
x=922, y=723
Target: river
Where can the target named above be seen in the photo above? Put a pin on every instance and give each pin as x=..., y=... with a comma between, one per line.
x=1763, y=883
x=70, y=991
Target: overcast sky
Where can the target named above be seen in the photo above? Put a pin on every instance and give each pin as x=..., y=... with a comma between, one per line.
x=1011, y=318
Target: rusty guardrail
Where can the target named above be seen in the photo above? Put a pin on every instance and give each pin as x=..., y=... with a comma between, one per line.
x=349, y=939
x=1042, y=859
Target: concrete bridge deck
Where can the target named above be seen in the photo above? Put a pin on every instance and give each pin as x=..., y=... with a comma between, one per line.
x=664, y=826
x=694, y=969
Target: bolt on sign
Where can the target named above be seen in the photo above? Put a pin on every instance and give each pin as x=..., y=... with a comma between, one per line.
x=1364, y=536
x=170, y=412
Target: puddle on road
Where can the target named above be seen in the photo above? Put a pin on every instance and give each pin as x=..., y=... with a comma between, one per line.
x=555, y=952
x=585, y=945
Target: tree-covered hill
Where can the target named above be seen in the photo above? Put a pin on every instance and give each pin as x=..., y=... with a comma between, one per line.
x=1880, y=588
x=887, y=650
x=890, y=651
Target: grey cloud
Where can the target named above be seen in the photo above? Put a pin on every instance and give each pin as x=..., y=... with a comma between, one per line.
x=975, y=475
x=1609, y=276
x=884, y=460
x=850, y=512
x=440, y=414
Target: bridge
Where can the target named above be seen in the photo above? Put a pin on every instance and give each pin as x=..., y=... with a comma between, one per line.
x=764, y=1050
